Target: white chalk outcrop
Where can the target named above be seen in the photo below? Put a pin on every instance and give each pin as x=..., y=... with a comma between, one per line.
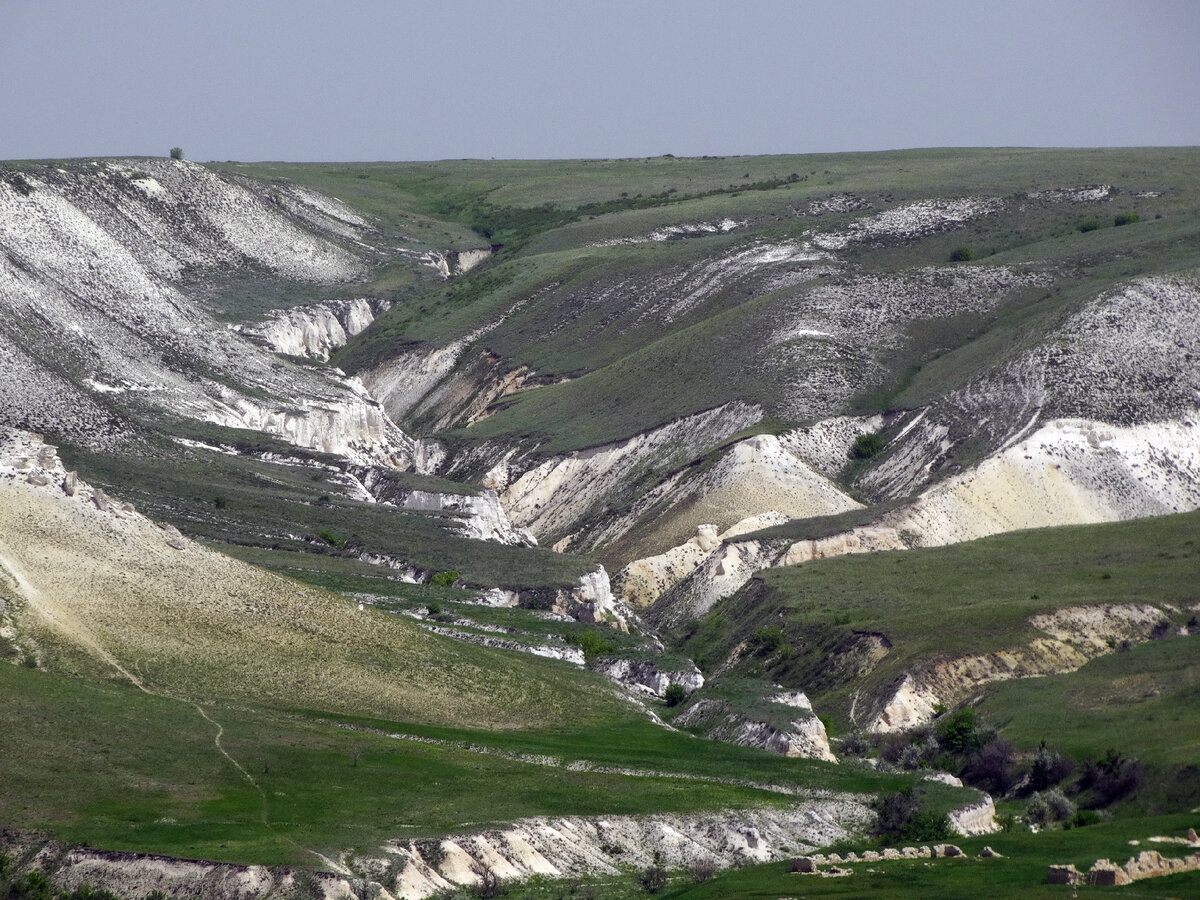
x=650, y=676
x=96, y=254
x=795, y=731
x=605, y=845
x=316, y=331
x=1072, y=637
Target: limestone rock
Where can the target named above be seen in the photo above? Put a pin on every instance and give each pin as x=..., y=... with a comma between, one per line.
x=1063, y=875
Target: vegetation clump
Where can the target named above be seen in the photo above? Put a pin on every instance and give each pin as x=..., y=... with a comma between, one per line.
x=866, y=445
x=902, y=818
x=962, y=253
x=444, y=579
x=675, y=694
x=1125, y=218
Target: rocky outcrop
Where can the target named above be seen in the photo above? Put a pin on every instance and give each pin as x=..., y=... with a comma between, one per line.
x=803, y=735
x=96, y=254
x=649, y=677
x=565, y=847
x=556, y=496
x=316, y=331
x=1075, y=635
x=978, y=818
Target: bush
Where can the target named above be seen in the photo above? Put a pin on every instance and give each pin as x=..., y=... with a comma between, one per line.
x=653, y=879
x=490, y=885
x=176, y=153
x=1088, y=225
x=993, y=767
x=769, y=638
x=962, y=253
x=1125, y=218
x=865, y=446
x=1049, y=768
x=960, y=734
x=901, y=818
x=855, y=744
x=1112, y=777
x=444, y=579
x=1084, y=817
x=1049, y=806
x=702, y=869
x=591, y=643
x=675, y=694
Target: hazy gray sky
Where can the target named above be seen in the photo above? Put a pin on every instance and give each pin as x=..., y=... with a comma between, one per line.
x=369, y=79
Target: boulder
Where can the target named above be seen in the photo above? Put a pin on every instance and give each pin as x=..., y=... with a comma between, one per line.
x=946, y=851
x=989, y=853
x=1105, y=872
x=1063, y=875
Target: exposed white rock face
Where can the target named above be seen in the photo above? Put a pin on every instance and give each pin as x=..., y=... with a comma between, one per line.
x=645, y=675
x=551, y=498
x=804, y=735
x=1087, y=193
x=483, y=517
x=1074, y=635
x=675, y=232
x=401, y=383
x=911, y=221
x=92, y=254
x=764, y=479
x=605, y=845
x=455, y=262
x=1071, y=471
x=480, y=514
x=316, y=331
x=978, y=818
x=593, y=601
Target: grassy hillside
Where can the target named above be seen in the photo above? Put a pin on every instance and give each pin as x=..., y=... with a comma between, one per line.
x=588, y=317
x=808, y=627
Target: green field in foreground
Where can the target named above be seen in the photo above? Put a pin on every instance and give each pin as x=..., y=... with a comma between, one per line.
x=107, y=765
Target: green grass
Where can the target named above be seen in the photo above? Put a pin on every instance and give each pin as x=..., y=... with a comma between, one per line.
x=967, y=598
x=120, y=769
x=264, y=511
x=1144, y=702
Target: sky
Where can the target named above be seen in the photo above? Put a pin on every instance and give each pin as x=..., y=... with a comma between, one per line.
x=376, y=80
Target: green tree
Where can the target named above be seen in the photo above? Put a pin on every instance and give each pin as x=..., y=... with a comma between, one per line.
x=176, y=153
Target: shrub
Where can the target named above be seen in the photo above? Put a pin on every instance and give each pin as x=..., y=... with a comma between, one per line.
x=865, y=446
x=653, y=879
x=962, y=253
x=1049, y=806
x=855, y=744
x=1112, y=777
x=591, y=643
x=176, y=153
x=444, y=579
x=702, y=869
x=959, y=733
x=1088, y=225
x=220, y=502
x=900, y=817
x=1125, y=218
x=1049, y=768
x=769, y=638
x=490, y=885
x=1084, y=817
x=675, y=694
x=993, y=767
x=330, y=538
